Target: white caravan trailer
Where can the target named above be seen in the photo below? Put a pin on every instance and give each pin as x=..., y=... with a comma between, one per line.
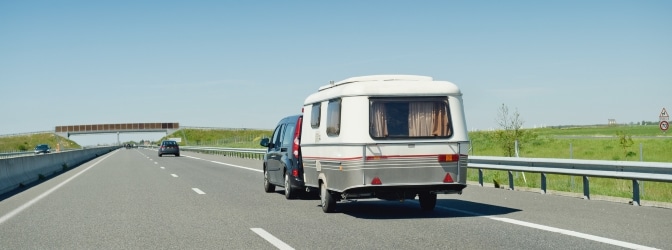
x=390, y=137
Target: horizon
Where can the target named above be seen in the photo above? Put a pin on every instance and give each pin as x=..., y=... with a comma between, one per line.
x=246, y=65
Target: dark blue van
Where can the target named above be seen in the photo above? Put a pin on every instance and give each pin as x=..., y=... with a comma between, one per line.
x=282, y=162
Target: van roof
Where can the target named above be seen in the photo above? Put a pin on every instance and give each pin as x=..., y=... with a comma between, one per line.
x=385, y=85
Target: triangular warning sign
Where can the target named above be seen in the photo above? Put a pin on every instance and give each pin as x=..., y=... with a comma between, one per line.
x=664, y=113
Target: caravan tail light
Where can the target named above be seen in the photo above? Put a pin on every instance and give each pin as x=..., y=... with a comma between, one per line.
x=297, y=138
x=376, y=181
x=449, y=158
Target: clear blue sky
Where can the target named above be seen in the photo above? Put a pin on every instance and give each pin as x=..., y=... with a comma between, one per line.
x=245, y=64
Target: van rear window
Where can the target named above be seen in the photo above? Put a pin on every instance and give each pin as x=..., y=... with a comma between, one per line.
x=399, y=118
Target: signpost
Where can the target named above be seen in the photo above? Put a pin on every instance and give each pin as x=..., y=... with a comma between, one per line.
x=664, y=120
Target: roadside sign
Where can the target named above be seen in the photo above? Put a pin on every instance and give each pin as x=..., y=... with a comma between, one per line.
x=664, y=125
x=664, y=116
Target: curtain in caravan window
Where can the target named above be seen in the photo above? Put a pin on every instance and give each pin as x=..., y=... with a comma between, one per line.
x=420, y=118
x=378, y=120
x=334, y=117
x=440, y=120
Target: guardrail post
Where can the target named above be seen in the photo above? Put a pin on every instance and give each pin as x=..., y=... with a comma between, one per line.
x=586, y=188
x=510, y=180
x=543, y=183
x=635, y=193
x=480, y=177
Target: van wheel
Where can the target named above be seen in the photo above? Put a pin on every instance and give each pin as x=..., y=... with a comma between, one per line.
x=289, y=192
x=427, y=201
x=327, y=199
x=159, y=155
x=268, y=187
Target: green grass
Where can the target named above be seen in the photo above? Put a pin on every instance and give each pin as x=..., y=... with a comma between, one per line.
x=555, y=143
x=28, y=142
x=243, y=138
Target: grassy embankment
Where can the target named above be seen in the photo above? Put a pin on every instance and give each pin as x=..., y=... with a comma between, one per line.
x=240, y=138
x=590, y=143
x=28, y=142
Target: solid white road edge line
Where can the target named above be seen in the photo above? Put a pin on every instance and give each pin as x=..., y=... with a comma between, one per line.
x=270, y=238
x=554, y=230
x=48, y=192
x=230, y=165
x=198, y=191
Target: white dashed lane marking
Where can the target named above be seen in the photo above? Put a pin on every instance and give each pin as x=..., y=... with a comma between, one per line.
x=198, y=191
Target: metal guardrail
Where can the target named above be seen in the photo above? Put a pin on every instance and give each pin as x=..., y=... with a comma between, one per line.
x=635, y=171
x=250, y=153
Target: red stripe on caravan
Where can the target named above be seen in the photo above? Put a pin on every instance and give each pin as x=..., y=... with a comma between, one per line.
x=377, y=157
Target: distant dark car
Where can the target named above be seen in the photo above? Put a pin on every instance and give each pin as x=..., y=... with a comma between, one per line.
x=282, y=162
x=169, y=147
x=42, y=149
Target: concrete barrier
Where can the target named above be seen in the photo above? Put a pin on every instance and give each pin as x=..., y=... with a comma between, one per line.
x=23, y=170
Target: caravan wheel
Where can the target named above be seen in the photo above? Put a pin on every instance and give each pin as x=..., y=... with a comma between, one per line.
x=427, y=201
x=327, y=199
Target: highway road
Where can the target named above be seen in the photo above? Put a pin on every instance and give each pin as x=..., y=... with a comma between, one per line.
x=132, y=199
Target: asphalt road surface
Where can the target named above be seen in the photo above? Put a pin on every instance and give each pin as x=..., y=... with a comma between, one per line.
x=132, y=199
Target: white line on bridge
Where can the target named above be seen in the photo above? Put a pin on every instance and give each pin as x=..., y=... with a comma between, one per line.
x=554, y=230
x=198, y=191
x=270, y=238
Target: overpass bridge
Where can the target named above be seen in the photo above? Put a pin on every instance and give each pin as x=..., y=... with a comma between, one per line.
x=67, y=131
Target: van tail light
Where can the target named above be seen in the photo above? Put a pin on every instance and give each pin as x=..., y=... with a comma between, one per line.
x=295, y=172
x=449, y=158
x=376, y=181
x=297, y=138
x=448, y=178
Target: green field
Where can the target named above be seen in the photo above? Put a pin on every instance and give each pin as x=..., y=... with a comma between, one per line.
x=227, y=138
x=586, y=142
x=28, y=142
x=590, y=143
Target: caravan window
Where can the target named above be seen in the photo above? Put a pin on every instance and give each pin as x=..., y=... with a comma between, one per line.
x=409, y=118
x=334, y=117
x=315, y=115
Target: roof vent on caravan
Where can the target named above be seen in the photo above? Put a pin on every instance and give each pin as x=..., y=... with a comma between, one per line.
x=377, y=78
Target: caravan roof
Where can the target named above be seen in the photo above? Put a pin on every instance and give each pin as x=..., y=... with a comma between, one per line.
x=385, y=85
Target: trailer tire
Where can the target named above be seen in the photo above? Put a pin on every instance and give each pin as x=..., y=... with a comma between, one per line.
x=268, y=187
x=327, y=199
x=427, y=201
x=289, y=192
